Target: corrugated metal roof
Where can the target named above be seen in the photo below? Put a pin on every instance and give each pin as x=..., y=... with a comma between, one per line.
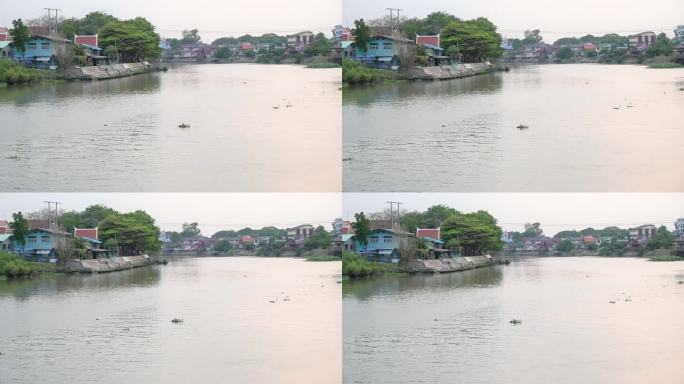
x=4, y=44
x=5, y=236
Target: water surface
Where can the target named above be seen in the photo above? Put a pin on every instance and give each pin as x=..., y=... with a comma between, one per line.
x=116, y=327
x=454, y=328
x=123, y=135
x=461, y=135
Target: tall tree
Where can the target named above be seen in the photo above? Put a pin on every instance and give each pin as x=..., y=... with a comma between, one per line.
x=362, y=35
x=190, y=230
x=362, y=228
x=190, y=36
x=134, y=233
x=20, y=36
x=477, y=40
x=135, y=39
x=20, y=229
x=475, y=233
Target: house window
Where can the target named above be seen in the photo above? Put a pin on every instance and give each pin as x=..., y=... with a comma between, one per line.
x=45, y=45
x=373, y=240
x=386, y=46
x=31, y=46
x=373, y=46
x=31, y=239
x=45, y=239
x=386, y=240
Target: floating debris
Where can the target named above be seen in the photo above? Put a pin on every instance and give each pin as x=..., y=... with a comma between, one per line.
x=272, y=301
x=436, y=320
x=443, y=125
x=628, y=299
x=183, y=125
x=612, y=301
x=106, y=125
x=516, y=321
x=347, y=159
x=177, y=321
x=616, y=107
x=288, y=105
x=339, y=281
x=286, y=299
x=276, y=107
x=522, y=126
x=680, y=282
x=13, y=157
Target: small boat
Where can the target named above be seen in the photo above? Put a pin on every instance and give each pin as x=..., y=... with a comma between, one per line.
x=177, y=321
x=347, y=159
x=522, y=126
x=183, y=125
x=516, y=321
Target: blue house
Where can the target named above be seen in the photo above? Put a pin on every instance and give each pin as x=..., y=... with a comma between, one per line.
x=382, y=52
x=383, y=245
x=40, y=244
x=41, y=51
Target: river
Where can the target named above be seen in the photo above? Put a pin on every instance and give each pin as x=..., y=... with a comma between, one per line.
x=455, y=328
x=116, y=327
x=123, y=135
x=461, y=135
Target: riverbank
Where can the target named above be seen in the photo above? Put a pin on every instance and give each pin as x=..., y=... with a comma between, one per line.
x=14, y=74
x=456, y=264
x=12, y=265
x=448, y=72
x=110, y=264
x=111, y=71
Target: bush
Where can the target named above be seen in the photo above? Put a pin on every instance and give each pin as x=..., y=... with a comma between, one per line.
x=354, y=265
x=12, y=73
x=12, y=265
x=356, y=73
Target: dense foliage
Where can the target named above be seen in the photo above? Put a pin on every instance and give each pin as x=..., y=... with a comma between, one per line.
x=12, y=265
x=477, y=40
x=20, y=35
x=132, y=233
x=362, y=228
x=13, y=73
x=354, y=266
x=474, y=233
x=134, y=40
x=432, y=24
x=90, y=24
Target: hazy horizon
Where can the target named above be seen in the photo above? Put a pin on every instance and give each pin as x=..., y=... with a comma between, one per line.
x=212, y=19
x=576, y=18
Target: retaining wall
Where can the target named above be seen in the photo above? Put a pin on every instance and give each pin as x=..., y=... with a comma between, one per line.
x=444, y=72
x=108, y=264
x=111, y=71
x=450, y=264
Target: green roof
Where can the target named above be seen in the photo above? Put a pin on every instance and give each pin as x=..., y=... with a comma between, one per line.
x=3, y=44
x=5, y=236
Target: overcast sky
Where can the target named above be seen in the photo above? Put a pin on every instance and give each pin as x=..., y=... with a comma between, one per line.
x=213, y=18
x=554, y=18
x=213, y=211
x=555, y=211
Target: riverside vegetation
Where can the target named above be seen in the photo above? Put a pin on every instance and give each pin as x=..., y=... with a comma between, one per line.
x=15, y=266
x=12, y=74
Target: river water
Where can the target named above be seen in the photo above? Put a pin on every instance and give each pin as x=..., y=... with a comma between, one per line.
x=454, y=328
x=123, y=135
x=116, y=328
x=461, y=135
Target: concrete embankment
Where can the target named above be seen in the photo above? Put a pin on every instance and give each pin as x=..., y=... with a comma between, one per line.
x=109, y=264
x=444, y=72
x=111, y=71
x=450, y=264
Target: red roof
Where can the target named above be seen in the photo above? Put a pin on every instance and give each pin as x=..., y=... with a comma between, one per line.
x=247, y=239
x=346, y=36
x=589, y=46
x=90, y=233
x=589, y=239
x=86, y=39
x=246, y=46
x=433, y=233
x=4, y=229
x=4, y=34
x=429, y=40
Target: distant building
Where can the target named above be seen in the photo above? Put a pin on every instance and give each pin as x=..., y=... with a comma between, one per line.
x=382, y=52
x=4, y=34
x=341, y=33
x=300, y=40
x=4, y=227
x=5, y=49
x=679, y=34
x=642, y=40
x=640, y=235
x=383, y=245
x=679, y=227
x=41, y=244
x=6, y=243
x=431, y=233
x=296, y=236
x=341, y=227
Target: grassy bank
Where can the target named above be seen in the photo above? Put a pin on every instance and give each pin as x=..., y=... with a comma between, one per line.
x=12, y=265
x=355, y=73
x=322, y=65
x=354, y=266
x=323, y=258
x=12, y=73
x=665, y=65
x=666, y=258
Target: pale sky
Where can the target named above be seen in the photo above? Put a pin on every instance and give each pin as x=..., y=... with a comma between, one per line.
x=555, y=211
x=213, y=18
x=555, y=18
x=213, y=211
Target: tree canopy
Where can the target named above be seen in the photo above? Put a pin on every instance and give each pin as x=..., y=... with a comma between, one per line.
x=474, y=233
x=20, y=35
x=477, y=40
x=362, y=228
x=432, y=24
x=135, y=39
x=20, y=228
x=134, y=233
x=362, y=35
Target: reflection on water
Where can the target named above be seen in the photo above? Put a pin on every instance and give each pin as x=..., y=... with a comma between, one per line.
x=114, y=328
x=591, y=128
x=455, y=328
x=124, y=132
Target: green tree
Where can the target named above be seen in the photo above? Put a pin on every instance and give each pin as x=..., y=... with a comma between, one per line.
x=190, y=37
x=565, y=53
x=565, y=245
x=20, y=229
x=663, y=46
x=20, y=36
x=134, y=233
x=190, y=230
x=453, y=52
x=134, y=40
x=320, y=239
x=321, y=46
x=532, y=37
x=533, y=230
x=362, y=228
x=223, y=246
x=223, y=53
x=476, y=233
x=663, y=239
x=477, y=40
x=362, y=35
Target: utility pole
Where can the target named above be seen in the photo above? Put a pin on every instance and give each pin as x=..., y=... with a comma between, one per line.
x=391, y=203
x=50, y=19
x=391, y=12
x=50, y=221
